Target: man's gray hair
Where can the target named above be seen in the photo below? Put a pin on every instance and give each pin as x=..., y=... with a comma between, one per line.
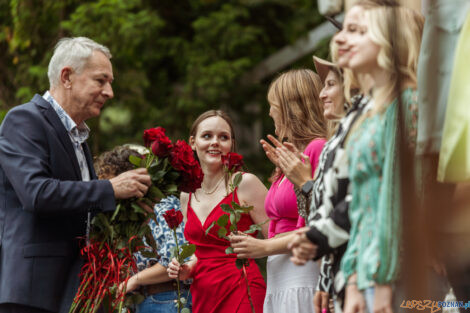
x=73, y=52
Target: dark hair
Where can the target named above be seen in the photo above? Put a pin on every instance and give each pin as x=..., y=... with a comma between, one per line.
x=112, y=163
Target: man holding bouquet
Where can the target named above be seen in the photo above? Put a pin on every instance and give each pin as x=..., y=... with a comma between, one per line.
x=48, y=188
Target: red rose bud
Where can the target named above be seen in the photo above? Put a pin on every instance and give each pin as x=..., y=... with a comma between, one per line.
x=232, y=161
x=162, y=146
x=173, y=218
x=152, y=134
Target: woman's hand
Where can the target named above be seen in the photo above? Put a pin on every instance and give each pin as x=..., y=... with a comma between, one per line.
x=247, y=247
x=132, y=284
x=177, y=271
x=302, y=248
x=295, y=165
x=271, y=150
x=321, y=301
x=383, y=299
x=354, y=300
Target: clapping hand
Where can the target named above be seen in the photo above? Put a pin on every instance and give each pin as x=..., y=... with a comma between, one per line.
x=295, y=165
x=270, y=150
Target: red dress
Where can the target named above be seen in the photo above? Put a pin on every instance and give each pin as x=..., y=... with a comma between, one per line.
x=218, y=284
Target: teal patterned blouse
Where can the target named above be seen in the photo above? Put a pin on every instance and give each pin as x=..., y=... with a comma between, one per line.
x=374, y=212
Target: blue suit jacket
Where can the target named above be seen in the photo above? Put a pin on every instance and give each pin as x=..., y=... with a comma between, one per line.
x=43, y=205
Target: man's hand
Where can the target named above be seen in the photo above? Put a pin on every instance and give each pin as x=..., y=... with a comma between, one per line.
x=302, y=248
x=133, y=183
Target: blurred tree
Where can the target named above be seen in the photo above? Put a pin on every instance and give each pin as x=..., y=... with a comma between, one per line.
x=172, y=59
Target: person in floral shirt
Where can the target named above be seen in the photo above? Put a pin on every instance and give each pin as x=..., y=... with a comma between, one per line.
x=159, y=289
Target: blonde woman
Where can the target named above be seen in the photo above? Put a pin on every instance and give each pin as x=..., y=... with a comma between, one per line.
x=371, y=261
x=298, y=116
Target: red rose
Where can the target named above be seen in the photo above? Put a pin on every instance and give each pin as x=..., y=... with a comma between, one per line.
x=182, y=159
x=152, y=134
x=182, y=156
x=162, y=146
x=232, y=161
x=173, y=218
x=191, y=180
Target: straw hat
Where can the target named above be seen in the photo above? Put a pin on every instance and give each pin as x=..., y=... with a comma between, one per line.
x=323, y=67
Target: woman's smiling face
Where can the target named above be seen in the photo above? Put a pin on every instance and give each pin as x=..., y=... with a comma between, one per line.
x=356, y=50
x=213, y=138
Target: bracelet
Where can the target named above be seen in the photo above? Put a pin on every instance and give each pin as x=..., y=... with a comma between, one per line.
x=349, y=283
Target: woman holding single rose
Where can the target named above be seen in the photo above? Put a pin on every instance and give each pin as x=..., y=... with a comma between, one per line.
x=218, y=285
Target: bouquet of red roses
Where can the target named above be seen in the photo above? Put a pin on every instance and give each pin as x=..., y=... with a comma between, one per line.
x=116, y=236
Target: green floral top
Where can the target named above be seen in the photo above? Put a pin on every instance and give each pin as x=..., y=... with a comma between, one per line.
x=374, y=244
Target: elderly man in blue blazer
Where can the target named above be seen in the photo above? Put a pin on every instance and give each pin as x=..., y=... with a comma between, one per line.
x=48, y=188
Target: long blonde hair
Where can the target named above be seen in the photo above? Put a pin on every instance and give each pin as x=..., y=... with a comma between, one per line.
x=296, y=94
x=398, y=54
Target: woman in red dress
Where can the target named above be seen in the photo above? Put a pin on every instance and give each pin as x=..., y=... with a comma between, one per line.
x=218, y=285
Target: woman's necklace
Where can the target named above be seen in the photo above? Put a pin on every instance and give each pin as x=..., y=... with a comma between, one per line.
x=215, y=188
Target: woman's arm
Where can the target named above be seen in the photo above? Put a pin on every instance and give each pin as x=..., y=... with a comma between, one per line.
x=247, y=247
x=151, y=275
x=252, y=192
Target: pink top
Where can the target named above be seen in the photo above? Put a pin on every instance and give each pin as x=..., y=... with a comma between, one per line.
x=281, y=202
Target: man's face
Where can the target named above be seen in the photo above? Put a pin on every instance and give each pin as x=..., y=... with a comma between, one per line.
x=90, y=89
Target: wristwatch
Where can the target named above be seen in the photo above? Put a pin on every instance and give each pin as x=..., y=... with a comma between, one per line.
x=307, y=188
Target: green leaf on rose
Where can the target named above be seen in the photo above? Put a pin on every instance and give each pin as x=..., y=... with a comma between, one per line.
x=239, y=263
x=253, y=228
x=155, y=193
x=172, y=176
x=187, y=250
x=222, y=232
x=185, y=310
x=237, y=180
x=209, y=228
x=241, y=209
x=135, y=160
x=232, y=219
x=229, y=250
x=223, y=220
x=238, y=216
x=183, y=300
x=172, y=188
x=116, y=212
x=137, y=209
x=148, y=254
x=226, y=208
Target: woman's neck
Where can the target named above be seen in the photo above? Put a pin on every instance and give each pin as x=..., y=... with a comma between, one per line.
x=212, y=176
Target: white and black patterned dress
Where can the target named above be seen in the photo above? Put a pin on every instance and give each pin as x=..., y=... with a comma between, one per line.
x=328, y=204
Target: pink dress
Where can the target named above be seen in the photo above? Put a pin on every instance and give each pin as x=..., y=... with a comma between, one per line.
x=281, y=202
x=290, y=288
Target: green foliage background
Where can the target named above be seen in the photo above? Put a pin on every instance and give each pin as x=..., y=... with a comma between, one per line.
x=172, y=59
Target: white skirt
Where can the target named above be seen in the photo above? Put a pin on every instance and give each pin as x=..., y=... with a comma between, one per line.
x=290, y=288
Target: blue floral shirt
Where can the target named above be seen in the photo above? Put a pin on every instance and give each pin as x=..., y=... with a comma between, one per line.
x=163, y=235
